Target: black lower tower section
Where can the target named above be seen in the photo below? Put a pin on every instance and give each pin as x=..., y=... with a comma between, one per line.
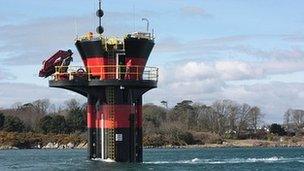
x=122, y=140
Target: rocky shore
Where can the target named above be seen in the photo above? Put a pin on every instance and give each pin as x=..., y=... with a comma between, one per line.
x=13, y=141
x=227, y=144
x=241, y=144
x=65, y=146
x=49, y=146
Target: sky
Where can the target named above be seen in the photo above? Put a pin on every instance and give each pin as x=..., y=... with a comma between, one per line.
x=247, y=51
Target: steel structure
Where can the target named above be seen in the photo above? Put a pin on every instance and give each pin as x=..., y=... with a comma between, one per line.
x=114, y=78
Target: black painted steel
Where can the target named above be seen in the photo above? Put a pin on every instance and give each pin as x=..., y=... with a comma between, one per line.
x=91, y=131
x=132, y=141
x=138, y=48
x=99, y=29
x=88, y=49
x=139, y=138
x=84, y=87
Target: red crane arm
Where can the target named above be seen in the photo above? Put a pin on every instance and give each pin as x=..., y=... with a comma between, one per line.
x=61, y=58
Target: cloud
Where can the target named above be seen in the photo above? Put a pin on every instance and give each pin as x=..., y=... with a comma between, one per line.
x=4, y=75
x=237, y=70
x=172, y=44
x=195, y=71
x=206, y=82
x=3, y=18
x=240, y=45
x=296, y=38
x=224, y=70
x=32, y=42
x=294, y=53
x=227, y=70
x=274, y=98
x=11, y=93
x=281, y=67
x=193, y=11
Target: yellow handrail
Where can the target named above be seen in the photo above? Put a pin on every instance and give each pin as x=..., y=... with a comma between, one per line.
x=106, y=72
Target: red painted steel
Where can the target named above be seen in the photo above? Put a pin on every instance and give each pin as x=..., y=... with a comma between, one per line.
x=96, y=66
x=91, y=116
x=121, y=115
x=135, y=65
x=57, y=59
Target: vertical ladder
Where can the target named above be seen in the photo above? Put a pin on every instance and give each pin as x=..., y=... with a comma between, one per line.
x=112, y=65
x=111, y=102
x=111, y=131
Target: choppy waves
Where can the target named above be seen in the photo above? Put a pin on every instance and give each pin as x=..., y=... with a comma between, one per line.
x=231, y=161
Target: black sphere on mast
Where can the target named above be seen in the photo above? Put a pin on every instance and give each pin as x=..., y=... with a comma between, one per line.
x=100, y=14
x=99, y=29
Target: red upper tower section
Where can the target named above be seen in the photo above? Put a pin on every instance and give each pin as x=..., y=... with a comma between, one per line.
x=112, y=58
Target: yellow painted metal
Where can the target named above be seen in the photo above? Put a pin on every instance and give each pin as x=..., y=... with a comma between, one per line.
x=107, y=72
x=114, y=41
x=111, y=132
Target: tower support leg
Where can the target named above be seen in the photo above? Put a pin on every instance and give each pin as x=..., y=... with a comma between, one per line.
x=139, y=131
x=91, y=122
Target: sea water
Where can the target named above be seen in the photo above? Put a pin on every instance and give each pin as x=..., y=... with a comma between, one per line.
x=221, y=159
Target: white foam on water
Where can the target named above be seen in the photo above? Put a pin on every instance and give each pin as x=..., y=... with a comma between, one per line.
x=274, y=159
x=267, y=160
x=192, y=161
x=105, y=160
x=195, y=160
x=159, y=162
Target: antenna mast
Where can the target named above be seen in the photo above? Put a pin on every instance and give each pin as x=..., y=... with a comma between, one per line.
x=148, y=24
x=100, y=14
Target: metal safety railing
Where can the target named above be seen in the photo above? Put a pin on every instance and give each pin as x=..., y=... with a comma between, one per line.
x=106, y=72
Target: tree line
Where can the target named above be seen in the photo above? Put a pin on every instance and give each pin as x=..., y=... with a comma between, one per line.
x=42, y=117
x=221, y=117
x=193, y=123
x=294, y=120
x=185, y=123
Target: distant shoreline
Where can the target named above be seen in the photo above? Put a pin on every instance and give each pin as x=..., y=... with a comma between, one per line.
x=250, y=143
x=227, y=144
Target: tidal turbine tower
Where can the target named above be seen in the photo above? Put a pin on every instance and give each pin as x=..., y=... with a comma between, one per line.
x=114, y=78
